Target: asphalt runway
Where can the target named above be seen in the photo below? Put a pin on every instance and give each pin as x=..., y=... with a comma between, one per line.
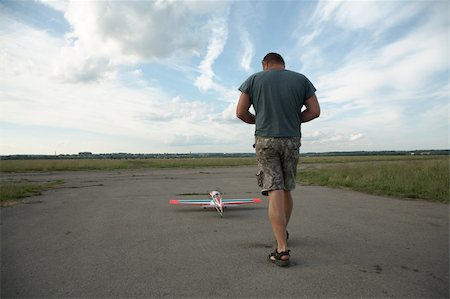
x=113, y=234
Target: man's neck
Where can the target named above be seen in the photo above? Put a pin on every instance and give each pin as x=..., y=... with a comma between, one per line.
x=275, y=66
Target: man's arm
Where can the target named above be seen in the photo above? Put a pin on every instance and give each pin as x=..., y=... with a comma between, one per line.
x=242, y=109
x=312, y=110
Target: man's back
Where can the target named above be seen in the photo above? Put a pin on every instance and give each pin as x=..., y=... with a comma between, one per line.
x=278, y=96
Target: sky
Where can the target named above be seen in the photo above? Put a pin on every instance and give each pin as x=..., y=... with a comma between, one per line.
x=163, y=76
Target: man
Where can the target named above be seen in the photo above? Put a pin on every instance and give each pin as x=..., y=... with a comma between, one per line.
x=277, y=96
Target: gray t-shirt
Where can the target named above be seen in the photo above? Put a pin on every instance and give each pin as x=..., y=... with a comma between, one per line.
x=278, y=97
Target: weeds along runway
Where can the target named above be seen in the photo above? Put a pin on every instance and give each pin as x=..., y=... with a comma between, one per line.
x=113, y=234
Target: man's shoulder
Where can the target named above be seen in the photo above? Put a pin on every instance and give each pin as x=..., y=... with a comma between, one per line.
x=294, y=73
x=254, y=75
x=258, y=74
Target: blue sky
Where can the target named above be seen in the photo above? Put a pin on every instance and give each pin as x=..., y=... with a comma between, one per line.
x=163, y=76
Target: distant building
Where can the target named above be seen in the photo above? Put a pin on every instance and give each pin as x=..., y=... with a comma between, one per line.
x=84, y=154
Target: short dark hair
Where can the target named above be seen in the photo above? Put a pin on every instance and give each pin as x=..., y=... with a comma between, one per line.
x=273, y=57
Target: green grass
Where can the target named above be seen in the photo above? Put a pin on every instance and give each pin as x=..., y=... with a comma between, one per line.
x=110, y=164
x=375, y=158
x=12, y=191
x=415, y=178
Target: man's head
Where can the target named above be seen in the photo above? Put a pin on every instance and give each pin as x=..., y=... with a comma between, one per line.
x=273, y=60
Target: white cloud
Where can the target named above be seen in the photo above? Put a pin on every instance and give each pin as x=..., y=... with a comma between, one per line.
x=110, y=33
x=31, y=97
x=58, y=5
x=436, y=117
x=18, y=54
x=229, y=114
x=249, y=51
x=216, y=44
x=376, y=16
x=323, y=12
x=194, y=110
x=355, y=15
x=354, y=137
x=74, y=64
x=397, y=73
x=374, y=85
x=317, y=138
x=344, y=19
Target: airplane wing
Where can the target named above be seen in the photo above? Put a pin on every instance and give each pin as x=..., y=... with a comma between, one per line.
x=195, y=202
x=241, y=201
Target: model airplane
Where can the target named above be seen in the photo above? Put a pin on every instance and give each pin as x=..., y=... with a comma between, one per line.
x=215, y=201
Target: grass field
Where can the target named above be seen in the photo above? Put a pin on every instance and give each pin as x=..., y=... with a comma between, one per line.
x=419, y=178
x=110, y=164
x=424, y=177
x=11, y=192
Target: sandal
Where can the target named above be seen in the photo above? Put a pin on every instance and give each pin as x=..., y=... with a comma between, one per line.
x=275, y=257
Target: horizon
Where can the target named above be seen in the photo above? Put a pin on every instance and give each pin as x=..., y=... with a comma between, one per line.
x=141, y=76
x=223, y=153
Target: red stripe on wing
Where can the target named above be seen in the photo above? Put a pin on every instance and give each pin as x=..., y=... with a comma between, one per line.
x=195, y=202
x=242, y=201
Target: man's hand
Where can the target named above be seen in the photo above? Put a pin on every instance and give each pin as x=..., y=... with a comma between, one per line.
x=312, y=110
x=242, y=109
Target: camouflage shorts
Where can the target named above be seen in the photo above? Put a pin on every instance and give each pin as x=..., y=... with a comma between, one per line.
x=277, y=162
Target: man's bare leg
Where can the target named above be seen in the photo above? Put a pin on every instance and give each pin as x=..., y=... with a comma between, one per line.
x=277, y=217
x=288, y=205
